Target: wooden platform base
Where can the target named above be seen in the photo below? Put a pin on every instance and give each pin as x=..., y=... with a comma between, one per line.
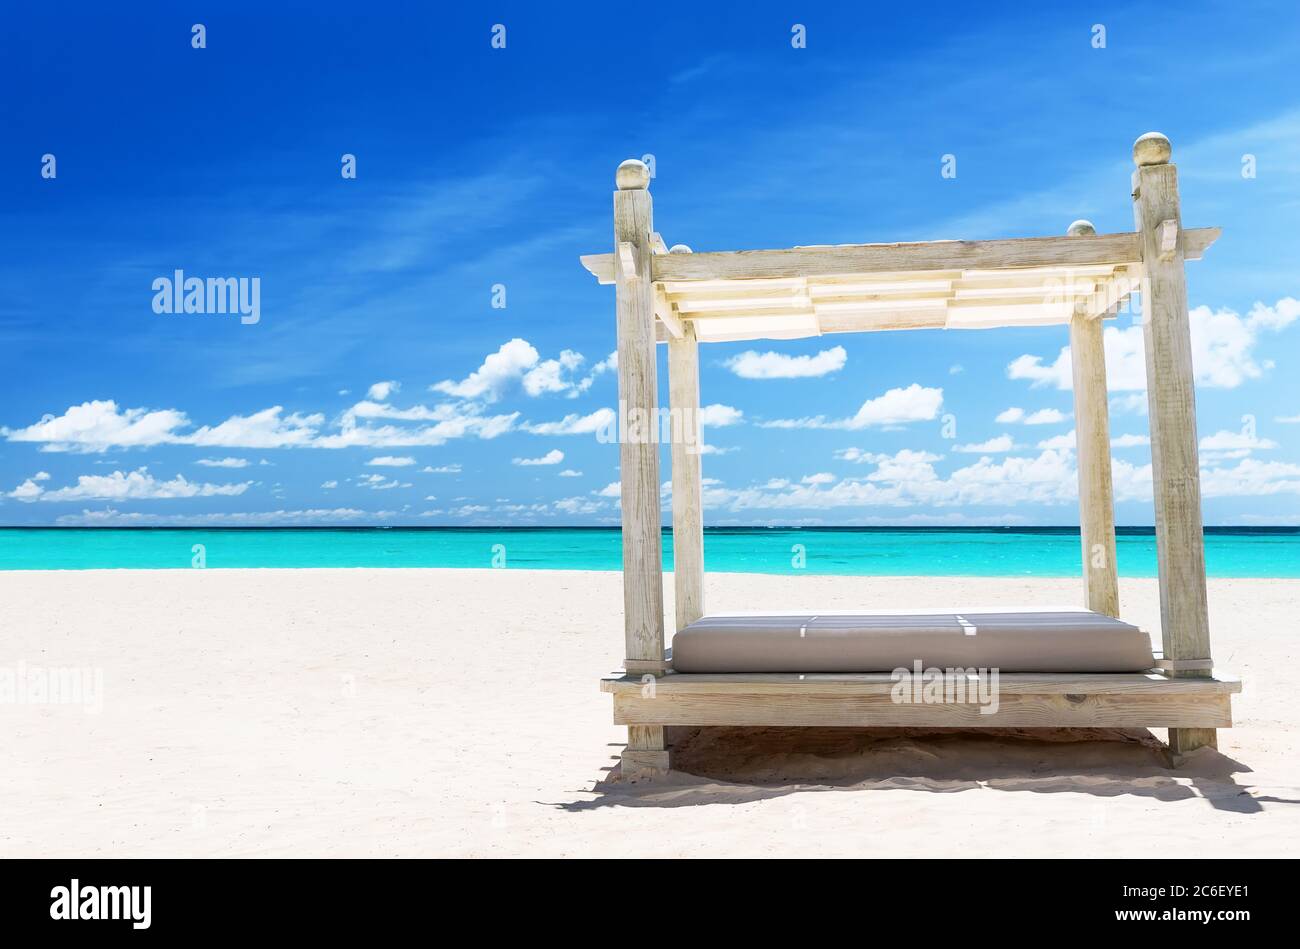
x=1191, y=707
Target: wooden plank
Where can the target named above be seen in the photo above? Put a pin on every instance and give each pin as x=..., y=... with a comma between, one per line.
x=801, y=310
x=880, y=683
x=1011, y=711
x=735, y=287
x=638, y=450
x=688, y=504
x=690, y=303
x=824, y=300
x=1049, y=298
x=863, y=321
x=1171, y=399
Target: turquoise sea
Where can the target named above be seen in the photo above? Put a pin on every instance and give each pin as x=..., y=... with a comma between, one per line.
x=883, y=551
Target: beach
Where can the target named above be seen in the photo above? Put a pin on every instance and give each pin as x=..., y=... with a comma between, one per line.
x=439, y=712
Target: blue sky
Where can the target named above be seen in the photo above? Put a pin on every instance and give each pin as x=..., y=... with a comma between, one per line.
x=380, y=385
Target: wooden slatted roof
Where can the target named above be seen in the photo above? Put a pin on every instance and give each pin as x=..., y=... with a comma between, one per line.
x=850, y=288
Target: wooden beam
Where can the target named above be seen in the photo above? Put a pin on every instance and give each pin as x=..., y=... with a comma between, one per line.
x=1092, y=447
x=1076, y=710
x=688, y=506
x=645, y=754
x=849, y=259
x=1196, y=241
x=829, y=261
x=666, y=311
x=600, y=266
x=883, y=683
x=1171, y=397
x=643, y=619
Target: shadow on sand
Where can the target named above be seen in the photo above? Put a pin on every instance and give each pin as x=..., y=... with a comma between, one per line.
x=726, y=765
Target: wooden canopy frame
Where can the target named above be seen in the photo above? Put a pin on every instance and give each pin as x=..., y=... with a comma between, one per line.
x=683, y=298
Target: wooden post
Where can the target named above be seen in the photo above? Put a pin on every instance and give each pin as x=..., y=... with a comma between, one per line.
x=1092, y=442
x=638, y=432
x=688, y=513
x=1171, y=395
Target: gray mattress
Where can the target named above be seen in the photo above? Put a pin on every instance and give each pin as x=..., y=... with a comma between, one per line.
x=1060, y=639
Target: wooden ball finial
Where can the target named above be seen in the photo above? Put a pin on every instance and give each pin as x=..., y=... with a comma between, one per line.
x=1081, y=228
x=632, y=175
x=1153, y=148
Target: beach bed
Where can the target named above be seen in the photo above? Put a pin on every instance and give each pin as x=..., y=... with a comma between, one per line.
x=1073, y=670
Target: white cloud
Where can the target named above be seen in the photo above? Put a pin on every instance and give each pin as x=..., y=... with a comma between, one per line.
x=612, y=490
x=580, y=506
x=380, y=391
x=574, y=424
x=509, y=363
x=1223, y=346
x=98, y=425
x=449, y=421
x=1045, y=417
x=441, y=469
x=770, y=365
x=467, y=510
x=998, y=445
x=822, y=477
x=1066, y=442
x=570, y=473
x=858, y=456
x=899, y=406
x=1250, y=477
x=720, y=416
x=327, y=485
x=1040, y=417
x=391, y=461
x=905, y=467
x=110, y=517
x=378, y=482
x=121, y=486
x=555, y=376
x=1133, y=403
x=552, y=457
x=1129, y=441
x=1235, y=441
x=518, y=360
x=29, y=490
x=265, y=429
x=223, y=462
x=916, y=403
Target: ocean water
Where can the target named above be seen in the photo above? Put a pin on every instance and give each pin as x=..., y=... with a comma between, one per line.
x=992, y=552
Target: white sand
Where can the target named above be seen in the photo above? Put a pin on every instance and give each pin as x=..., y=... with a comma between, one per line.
x=456, y=712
